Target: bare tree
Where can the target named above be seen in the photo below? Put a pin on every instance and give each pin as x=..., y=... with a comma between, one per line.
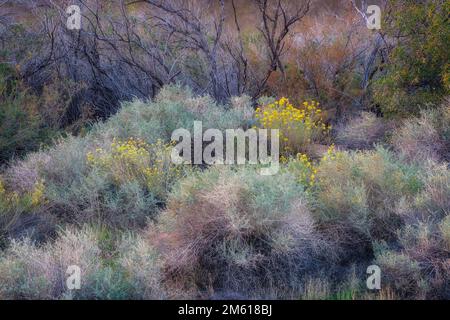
x=190, y=27
x=277, y=19
x=379, y=47
x=118, y=54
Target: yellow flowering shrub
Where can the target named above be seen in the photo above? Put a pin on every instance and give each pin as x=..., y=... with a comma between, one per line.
x=331, y=154
x=299, y=126
x=134, y=159
x=2, y=188
x=24, y=201
x=37, y=195
x=305, y=169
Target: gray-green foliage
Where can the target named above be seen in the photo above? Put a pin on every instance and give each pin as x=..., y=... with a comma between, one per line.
x=79, y=192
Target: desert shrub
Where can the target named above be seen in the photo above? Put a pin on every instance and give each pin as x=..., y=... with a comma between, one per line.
x=148, y=121
x=22, y=128
x=444, y=227
x=433, y=203
x=32, y=199
x=142, y=264
x=417, y=266
x=400, y=273
x=361, y=132
x=356, y=195
x=121, y=268
x=425, y=137
x=422, y=239
x=174, y=107
x=417, y=70
x=121, y=183
x=241, y=102
x=415, y=263
x=75, y=192
x=424, y=242
x=303, y=168
x=298, y=127
x=21, y=212
x=265, y=100
x=134, y=159
x=31, y=272
x=236, y=231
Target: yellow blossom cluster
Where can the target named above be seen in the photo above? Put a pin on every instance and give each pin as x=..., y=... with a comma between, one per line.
x=37, y=196
x=308, y=174
x=298, y=126
x=331, y=154
x=134, y=159
x=133, y=152
x=306, y=169
x=26, y=201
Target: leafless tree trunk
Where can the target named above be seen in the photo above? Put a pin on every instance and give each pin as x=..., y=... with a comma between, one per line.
x=378, y=49
x=277, y=19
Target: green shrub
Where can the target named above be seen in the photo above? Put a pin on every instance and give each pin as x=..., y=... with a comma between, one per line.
x=22, y=128
x=417, y=71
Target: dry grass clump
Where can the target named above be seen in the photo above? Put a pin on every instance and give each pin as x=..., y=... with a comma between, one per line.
x=236, y=231
x=362, y=132
x=426, y=137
